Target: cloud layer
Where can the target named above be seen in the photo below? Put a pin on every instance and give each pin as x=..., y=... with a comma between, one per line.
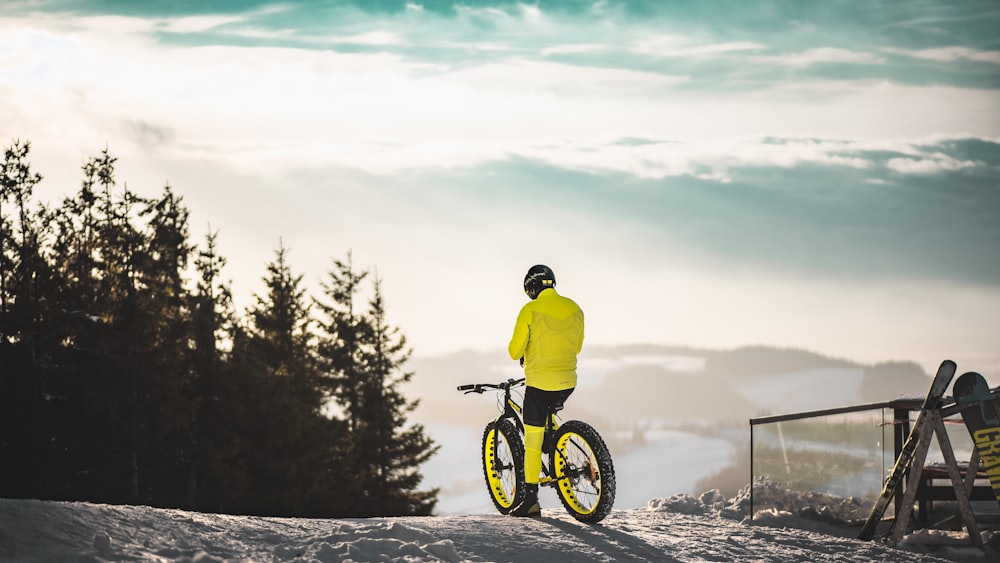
x=747, y=148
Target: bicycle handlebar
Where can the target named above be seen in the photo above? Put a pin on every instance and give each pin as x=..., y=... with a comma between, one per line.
x=482, y=387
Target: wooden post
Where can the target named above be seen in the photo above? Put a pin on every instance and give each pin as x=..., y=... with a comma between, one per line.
x=924, y=429
x=962, y=492
x=934, y=425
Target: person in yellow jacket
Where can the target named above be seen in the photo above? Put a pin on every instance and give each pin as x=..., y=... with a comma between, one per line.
x=548, y=335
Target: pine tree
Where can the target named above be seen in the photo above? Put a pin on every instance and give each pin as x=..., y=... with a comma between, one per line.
x=214, y=480
x=23, y=321
x=394, y=449
x=167, y=373
x=363, y=356
x=290, y=436
x=88, y=456
x=116, y=339
x=212, y=307
x=124, y=332
x=281, y=323
x=339, y=348
x=17, y=184
x=22, y=265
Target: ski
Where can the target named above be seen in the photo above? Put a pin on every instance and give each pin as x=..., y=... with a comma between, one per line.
x=933, y=400
x=983, y=422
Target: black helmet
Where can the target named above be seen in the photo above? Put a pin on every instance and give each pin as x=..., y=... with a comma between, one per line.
x=538, y=278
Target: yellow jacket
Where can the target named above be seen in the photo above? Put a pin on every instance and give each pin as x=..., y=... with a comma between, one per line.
x=548, y=334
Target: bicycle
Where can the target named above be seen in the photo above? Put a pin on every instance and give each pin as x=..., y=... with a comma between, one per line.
x=575, y=460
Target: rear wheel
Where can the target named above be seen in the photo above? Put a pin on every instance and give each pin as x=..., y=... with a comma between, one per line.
x=584, y=473
x=503, y=464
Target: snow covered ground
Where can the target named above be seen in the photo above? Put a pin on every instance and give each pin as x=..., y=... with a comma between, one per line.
x=678, y=528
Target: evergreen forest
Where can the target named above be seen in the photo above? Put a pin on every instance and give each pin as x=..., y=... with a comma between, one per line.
x=127, y=376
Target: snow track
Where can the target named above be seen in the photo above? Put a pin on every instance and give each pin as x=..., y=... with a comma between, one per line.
x=33, y=530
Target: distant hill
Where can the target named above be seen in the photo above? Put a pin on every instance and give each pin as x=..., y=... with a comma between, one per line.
x=762, y=360
x=675, y=383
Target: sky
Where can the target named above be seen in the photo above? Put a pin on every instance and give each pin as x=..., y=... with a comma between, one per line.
x=823, y=175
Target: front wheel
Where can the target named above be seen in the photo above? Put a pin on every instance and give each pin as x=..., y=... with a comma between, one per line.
x=584, y=473
x=503, y=464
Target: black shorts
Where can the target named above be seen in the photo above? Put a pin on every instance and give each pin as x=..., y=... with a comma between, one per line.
x=538, y=403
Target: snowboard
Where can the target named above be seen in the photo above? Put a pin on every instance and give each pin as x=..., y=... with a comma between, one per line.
x=892, y=483
x=983, y=421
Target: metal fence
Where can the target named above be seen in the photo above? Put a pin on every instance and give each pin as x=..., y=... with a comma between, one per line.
x=843, y=452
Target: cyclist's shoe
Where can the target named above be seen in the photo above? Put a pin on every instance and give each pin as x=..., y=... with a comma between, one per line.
x=529, y=507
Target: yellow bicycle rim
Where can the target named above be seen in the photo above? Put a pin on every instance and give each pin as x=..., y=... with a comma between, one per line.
x=582, y=493
x=502, y=491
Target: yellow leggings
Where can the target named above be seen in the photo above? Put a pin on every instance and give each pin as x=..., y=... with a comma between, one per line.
x=533, y=436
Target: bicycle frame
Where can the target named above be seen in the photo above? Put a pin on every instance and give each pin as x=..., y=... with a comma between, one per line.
x=514, y=411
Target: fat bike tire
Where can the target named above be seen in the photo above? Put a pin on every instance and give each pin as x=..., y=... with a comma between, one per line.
x=503, y=464
x=584, y=472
